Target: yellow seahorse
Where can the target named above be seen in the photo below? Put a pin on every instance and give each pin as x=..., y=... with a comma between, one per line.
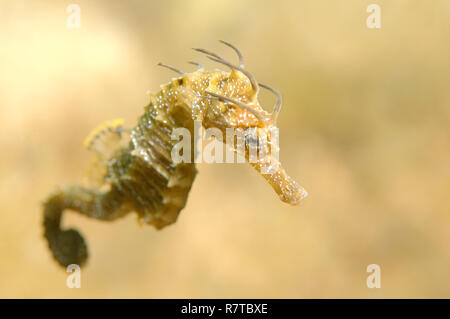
x=140, y=175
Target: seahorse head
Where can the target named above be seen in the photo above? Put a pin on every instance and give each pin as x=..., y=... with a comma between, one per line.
x=233, y=103
x=229, y=100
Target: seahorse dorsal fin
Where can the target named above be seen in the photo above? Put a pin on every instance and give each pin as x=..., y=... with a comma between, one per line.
x=105, y=137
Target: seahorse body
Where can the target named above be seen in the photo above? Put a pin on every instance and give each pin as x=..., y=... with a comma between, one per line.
x=140, y=176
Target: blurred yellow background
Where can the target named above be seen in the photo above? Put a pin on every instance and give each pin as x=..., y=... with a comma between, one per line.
x=364, y=128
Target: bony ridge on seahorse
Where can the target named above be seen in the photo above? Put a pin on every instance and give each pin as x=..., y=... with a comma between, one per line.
x=139, y=174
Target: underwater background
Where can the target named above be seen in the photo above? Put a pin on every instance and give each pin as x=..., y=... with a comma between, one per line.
x=364, y=128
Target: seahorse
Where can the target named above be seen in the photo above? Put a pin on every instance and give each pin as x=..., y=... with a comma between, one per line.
x=139, y=174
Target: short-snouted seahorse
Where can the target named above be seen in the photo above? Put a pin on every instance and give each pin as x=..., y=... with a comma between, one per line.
x=140, y=176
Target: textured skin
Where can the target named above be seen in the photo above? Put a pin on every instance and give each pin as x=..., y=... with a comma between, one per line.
x=141, y=177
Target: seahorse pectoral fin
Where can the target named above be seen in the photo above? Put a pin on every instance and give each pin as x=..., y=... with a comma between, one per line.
x=105, y=137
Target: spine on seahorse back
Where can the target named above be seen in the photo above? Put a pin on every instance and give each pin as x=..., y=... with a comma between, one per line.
x=162, y=186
